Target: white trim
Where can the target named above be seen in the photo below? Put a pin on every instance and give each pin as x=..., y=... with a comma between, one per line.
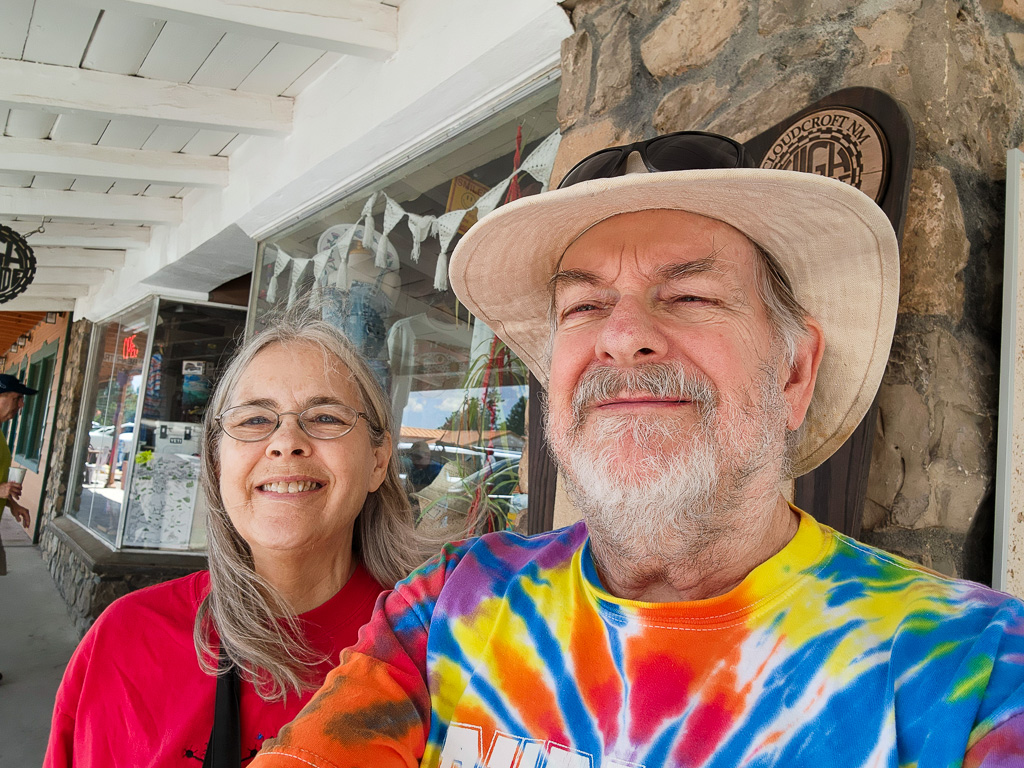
x=1006, y=502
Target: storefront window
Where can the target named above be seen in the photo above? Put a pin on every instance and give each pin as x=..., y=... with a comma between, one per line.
x=154, y=370
x=376, y=264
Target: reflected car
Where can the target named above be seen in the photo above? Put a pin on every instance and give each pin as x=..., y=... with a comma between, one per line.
x=101, y=441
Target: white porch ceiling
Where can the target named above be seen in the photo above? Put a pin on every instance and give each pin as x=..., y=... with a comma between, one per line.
x=113, y=110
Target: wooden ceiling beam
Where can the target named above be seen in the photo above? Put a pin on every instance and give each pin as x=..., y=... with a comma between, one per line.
x=43, y=291
x=85, y=160
x=37, y=304
x=84, y=235
x=89, y=206
x=59, y=90
x=365, y=28
x=46, y=275
x=79, y=257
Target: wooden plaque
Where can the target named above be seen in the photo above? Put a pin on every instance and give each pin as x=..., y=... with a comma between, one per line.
x=865, y=138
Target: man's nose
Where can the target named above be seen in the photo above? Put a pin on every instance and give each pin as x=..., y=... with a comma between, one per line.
x=289, y=439
x=631, y=334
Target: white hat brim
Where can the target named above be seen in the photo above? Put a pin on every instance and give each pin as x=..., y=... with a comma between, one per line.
x=835, y=245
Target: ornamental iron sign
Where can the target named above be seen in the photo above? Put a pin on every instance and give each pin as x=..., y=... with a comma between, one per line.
x=17, y=264
x=838, y=142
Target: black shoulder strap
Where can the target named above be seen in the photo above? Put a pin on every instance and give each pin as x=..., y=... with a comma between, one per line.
x=225, y=747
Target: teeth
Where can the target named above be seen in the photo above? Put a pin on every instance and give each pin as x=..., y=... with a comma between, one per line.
x=292, y=487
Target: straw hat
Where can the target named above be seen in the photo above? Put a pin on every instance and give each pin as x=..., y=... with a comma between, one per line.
x=834, y=244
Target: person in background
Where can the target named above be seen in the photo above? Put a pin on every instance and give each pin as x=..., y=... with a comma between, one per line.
x=423, y=468
x=12, y=400
x=308, y=521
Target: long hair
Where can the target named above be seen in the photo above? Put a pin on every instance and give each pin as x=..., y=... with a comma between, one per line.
x=244, y=617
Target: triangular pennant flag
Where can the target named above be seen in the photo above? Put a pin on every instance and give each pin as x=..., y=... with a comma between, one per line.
x=298, y=267
x=319, y=263
x=542, y=159
x=341, y=247
x=393, y=214
x=367, y=217
x=420, y=227
x=441, y=273
x=283, y=259
x=489, y=200
x=447, y=226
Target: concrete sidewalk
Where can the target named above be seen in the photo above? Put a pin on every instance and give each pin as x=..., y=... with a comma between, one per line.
x=36, y=641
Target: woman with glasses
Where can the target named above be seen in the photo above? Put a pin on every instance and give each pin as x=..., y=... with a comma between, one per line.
x=308, y=522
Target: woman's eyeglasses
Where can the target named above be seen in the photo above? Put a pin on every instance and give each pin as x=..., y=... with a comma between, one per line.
x=680, y=151
x=251, y=423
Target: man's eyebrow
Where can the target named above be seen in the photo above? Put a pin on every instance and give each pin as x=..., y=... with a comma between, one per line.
x=686, y=269
x=572, y=277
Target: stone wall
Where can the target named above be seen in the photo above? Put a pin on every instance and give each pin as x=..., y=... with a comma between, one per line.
x=63, y=443
x=635, y=68
x=61, y=449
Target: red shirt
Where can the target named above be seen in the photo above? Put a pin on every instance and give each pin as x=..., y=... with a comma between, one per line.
x=133, y=693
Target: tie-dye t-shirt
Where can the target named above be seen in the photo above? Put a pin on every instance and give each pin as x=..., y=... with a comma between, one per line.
x=506, y=652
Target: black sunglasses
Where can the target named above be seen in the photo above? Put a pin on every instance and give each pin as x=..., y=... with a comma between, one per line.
x=680, y=151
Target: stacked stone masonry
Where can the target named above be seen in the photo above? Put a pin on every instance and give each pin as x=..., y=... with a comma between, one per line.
x=636, y=68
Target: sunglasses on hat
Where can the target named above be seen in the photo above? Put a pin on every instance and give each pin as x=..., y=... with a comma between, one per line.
x=680, y=151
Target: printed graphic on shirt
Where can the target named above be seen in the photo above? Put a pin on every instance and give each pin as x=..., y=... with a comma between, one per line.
x=462, y=747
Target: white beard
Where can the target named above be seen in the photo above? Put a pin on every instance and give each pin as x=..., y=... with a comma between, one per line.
x=653, y=491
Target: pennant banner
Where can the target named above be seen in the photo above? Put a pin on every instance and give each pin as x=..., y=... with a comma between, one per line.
x=333, y=245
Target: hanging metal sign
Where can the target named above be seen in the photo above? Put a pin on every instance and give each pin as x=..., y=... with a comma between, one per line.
x=17, y=264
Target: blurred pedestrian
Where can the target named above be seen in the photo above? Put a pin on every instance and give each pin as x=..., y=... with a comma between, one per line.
x=12, y=400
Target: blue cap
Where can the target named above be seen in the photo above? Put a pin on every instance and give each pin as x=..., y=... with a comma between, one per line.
x=10, y=383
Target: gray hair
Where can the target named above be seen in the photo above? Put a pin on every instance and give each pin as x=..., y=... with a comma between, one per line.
x=244, y=617
x=785, y=313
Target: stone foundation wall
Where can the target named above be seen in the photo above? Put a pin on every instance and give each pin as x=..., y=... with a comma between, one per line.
x=636, y=68
x=90, y=576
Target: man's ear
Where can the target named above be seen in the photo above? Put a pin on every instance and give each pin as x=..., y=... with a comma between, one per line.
x=799, y=386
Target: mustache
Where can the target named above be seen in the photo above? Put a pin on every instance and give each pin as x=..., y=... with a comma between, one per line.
x=667, y=381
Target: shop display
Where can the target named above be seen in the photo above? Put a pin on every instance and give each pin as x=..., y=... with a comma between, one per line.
x=376, y=264
x=139, y=462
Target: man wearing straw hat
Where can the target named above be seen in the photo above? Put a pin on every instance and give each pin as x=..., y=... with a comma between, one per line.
x=704, y=330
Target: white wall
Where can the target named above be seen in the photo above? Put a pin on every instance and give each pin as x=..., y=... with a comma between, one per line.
x=455, y=58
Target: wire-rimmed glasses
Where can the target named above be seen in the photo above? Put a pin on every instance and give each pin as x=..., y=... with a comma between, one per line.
x=252, y=423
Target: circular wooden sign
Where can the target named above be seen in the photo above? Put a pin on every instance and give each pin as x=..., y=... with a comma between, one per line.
x=17, y=264
x=838, y=142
